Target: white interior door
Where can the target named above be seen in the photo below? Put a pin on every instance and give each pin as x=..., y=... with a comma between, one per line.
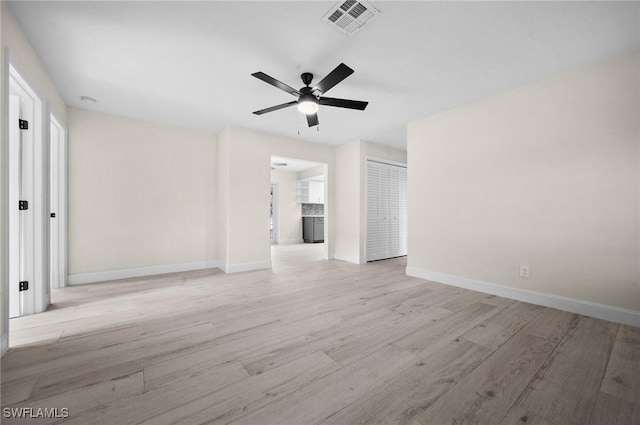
x=372, y=251
x=54, y=196
x=403, y=221
x=394, y=211
x=384, y=207
x=21, y=232
x=58, y=204
x=386, y=215
x=15, y=170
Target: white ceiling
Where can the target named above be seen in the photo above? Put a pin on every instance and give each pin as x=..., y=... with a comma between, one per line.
x=189, y=64
x=293, y=165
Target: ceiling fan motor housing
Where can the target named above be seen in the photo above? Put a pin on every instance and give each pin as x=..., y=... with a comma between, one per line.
x=307, y=77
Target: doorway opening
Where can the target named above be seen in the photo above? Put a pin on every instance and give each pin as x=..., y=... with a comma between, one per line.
x=298, y=210
x=57, y=203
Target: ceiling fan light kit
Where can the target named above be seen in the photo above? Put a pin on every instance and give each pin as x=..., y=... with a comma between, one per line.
x=310, y=98
x=308, y=104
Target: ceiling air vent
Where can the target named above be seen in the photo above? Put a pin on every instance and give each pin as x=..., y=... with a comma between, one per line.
x=350, y=15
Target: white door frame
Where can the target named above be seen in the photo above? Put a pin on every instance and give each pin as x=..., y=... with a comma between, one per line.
x=58, y=199
x=21, y=262
x=36, y=298
x=275, y=217
x=368, y=158
x=14, y=236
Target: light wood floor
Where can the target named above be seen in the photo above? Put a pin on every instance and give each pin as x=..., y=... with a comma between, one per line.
x=316, y=342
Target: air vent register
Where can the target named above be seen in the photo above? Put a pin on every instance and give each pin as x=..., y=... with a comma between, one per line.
x=350, y=16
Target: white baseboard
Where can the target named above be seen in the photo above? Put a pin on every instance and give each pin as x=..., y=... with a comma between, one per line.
x=102, y=276
x=245, y=267
x=349, y=258
x=4, y=344
x=289, y=241
x=586, y=308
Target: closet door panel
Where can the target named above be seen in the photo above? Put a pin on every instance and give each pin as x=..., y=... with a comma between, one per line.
x=386, y=220
x=394, y=211
x=403, y=226
x=372, y=211
x=384, y=207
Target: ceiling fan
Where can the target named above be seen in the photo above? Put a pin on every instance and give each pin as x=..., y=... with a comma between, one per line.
x=309, y=98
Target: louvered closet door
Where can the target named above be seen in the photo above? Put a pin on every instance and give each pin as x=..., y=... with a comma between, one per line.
x=372, y=211
x=394, y=211
x=403, y=221
x=384, y=211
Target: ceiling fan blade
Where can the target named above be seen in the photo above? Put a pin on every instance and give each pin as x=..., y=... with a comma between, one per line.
x=343, y=103
x=341, y=72
x=275, y=108
x=279, y=84
x=312, y=120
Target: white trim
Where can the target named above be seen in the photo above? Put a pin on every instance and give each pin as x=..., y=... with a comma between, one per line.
x=62, y=218
x=245, y=267
x=102, y=276
x=350, y=259
x=4, y=181
x=290, y=241
x=587, y=308
x=275, y=225
x=385, y=161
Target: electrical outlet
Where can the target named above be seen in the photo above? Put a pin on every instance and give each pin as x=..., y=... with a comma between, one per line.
x=524, y=271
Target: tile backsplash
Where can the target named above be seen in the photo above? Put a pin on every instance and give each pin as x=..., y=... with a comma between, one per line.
x=312, y=209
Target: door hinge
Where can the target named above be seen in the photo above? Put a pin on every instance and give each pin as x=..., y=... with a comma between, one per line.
x=24, y=285
x=24, y=124
x=53, y=215
x=23, y=205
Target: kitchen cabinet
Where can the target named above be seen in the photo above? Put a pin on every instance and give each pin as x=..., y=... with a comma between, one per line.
x=313, y=229
x=303, y=191
x=311, y=192
x=316, y=192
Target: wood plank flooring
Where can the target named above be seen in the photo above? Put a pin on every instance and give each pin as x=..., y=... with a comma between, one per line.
x=315, y=342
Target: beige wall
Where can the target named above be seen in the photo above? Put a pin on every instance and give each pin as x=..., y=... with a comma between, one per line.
x=247, y=165
x=140, y=194
x=223, y=195
x=14, y=42
x=348, y=201
x=351, y=215
x=289, y=214
x=546, y=176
